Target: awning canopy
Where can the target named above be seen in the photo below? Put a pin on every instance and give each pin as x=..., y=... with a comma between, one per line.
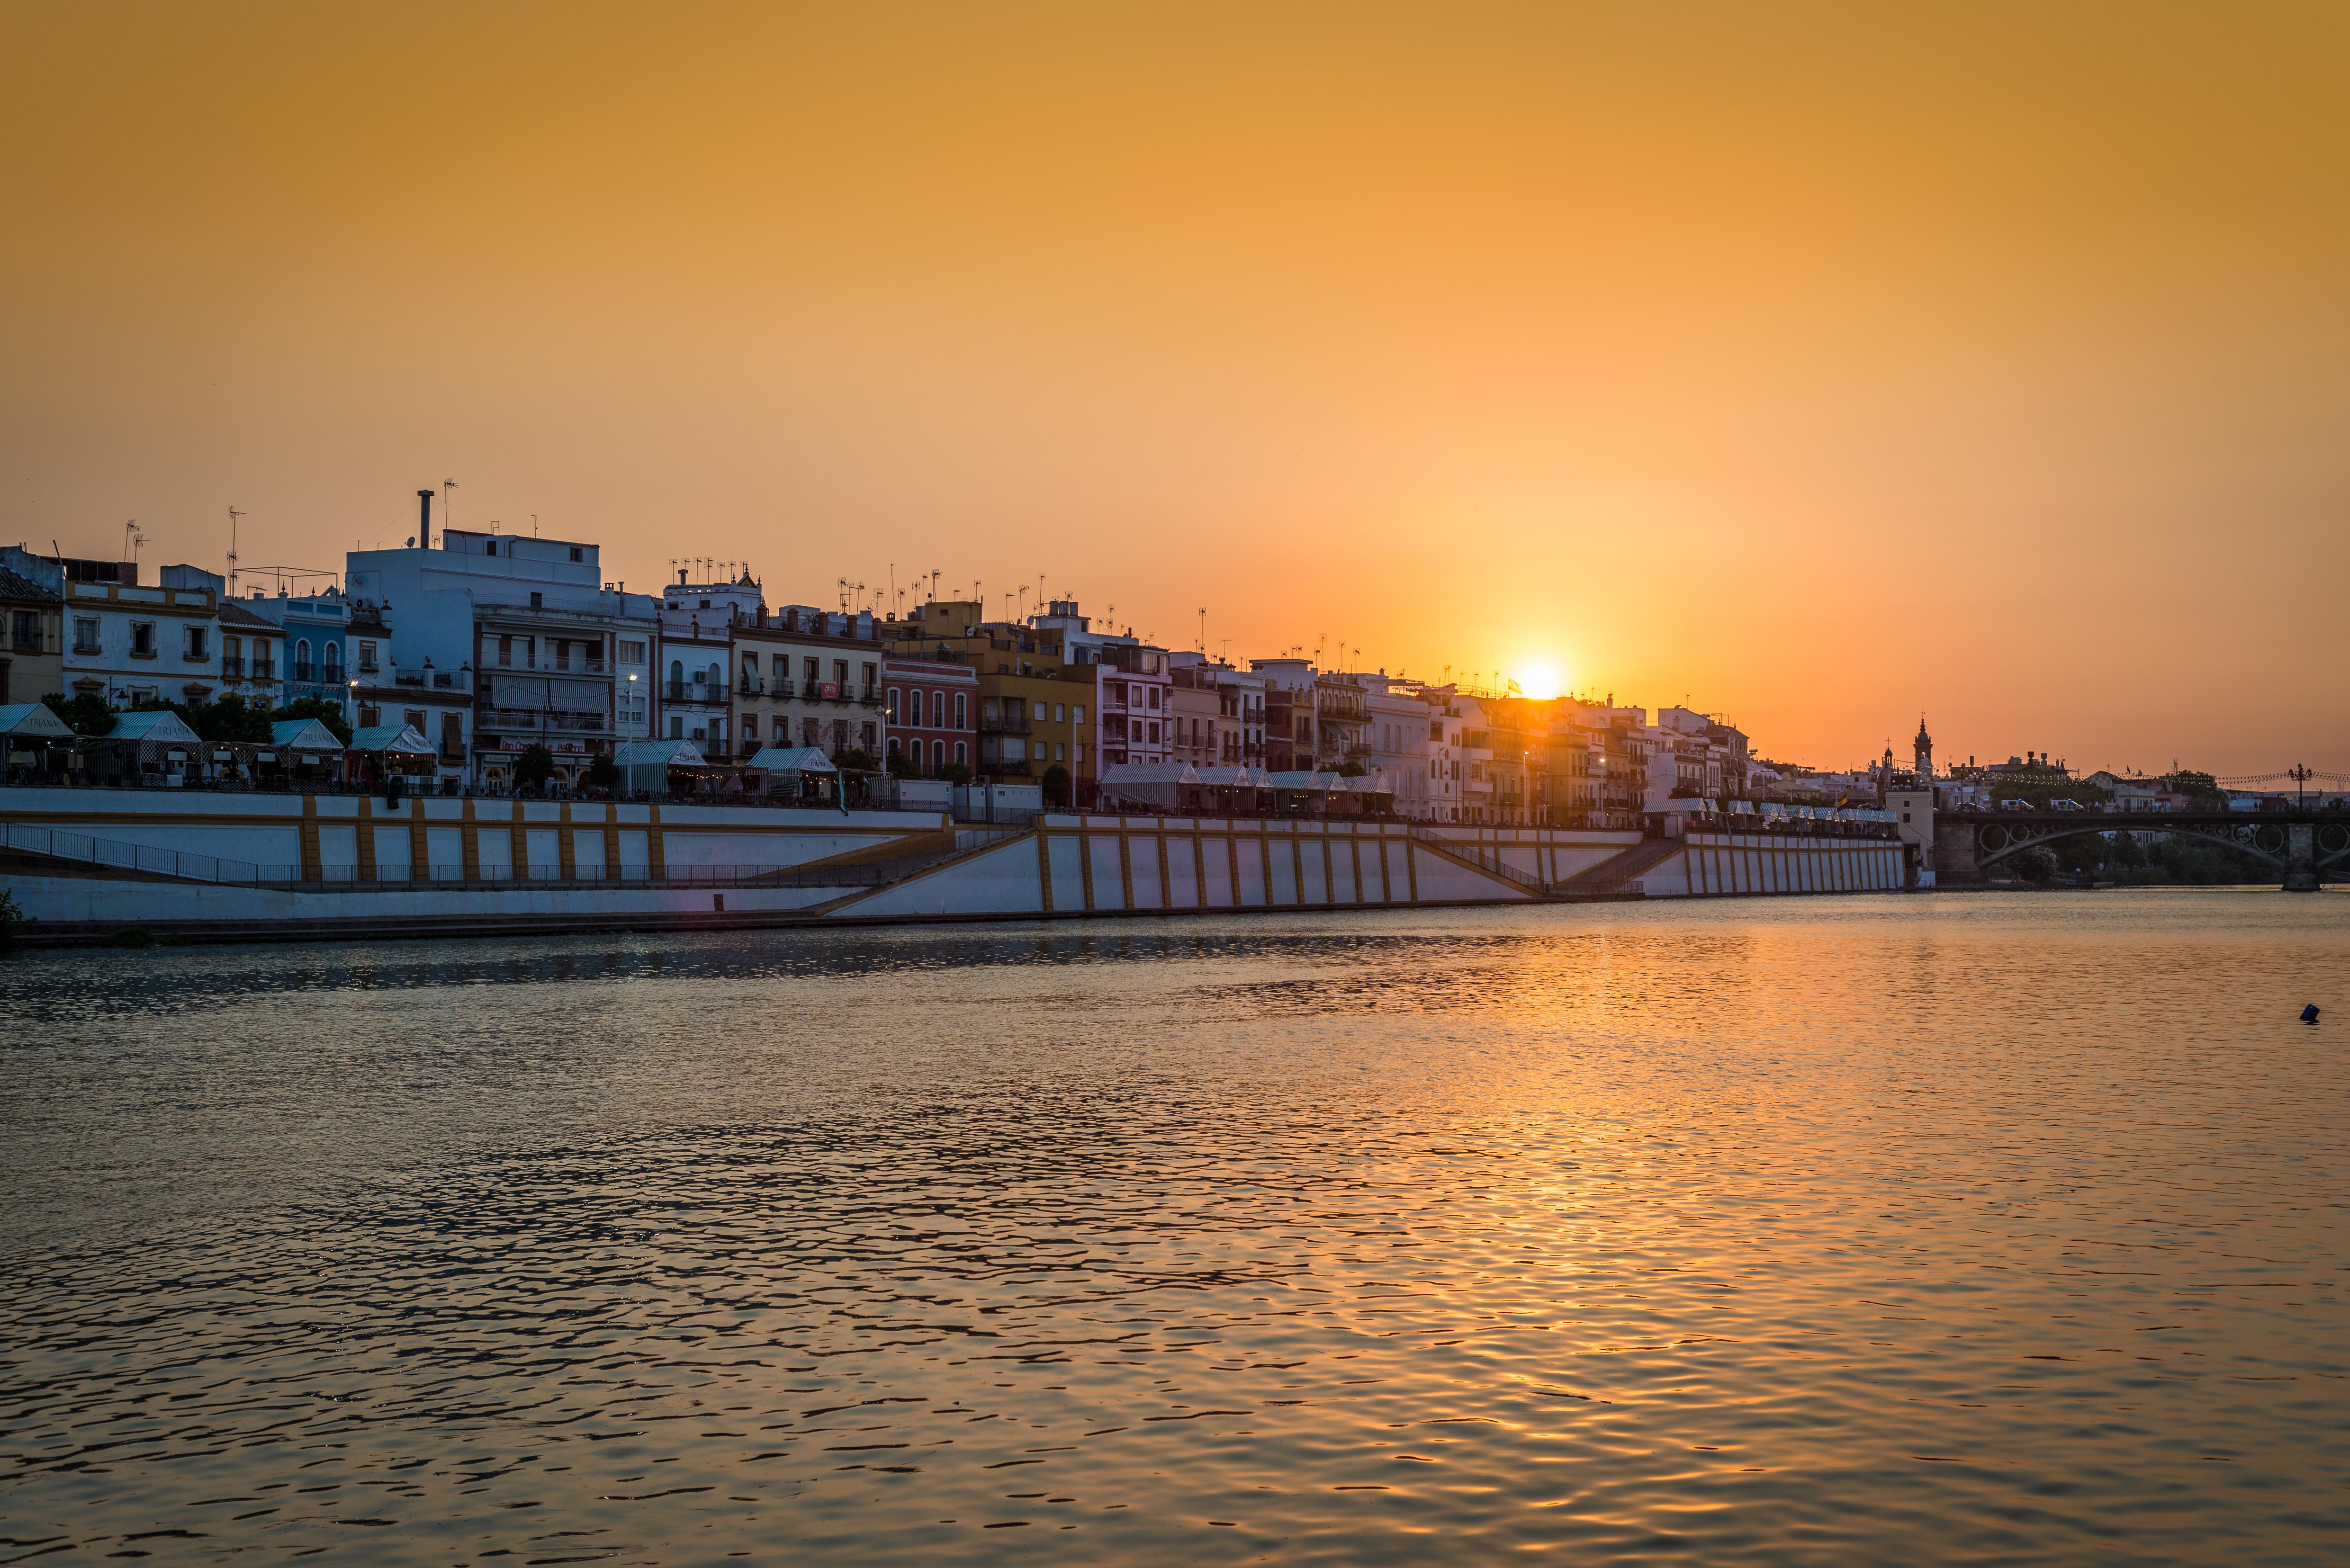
x=304, y=735
x=158, y=726
x=395, y=740
x=1148, y=784
x=33, y=721
x=790, y=759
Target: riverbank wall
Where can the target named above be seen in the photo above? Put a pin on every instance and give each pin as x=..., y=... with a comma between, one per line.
x=88, y=864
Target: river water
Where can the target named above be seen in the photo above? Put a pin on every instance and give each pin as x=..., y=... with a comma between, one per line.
x=1955, y=1229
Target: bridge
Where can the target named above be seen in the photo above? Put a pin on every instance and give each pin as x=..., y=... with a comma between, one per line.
x=2305, y=845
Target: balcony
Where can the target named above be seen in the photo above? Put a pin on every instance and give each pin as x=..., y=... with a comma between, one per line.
x=449, y=679
x=303, y=673
x=749, y=686
x=1004, y=724
x=870, y=697
x=263, y=670
x=567, y=666
x=86, y=649
x=527, y=722
x=233, y=668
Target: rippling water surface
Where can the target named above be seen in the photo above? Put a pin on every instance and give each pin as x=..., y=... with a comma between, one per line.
x=1980, y=1228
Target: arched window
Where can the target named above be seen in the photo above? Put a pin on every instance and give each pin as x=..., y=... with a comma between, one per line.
x=961, y=756
x=891, y=712
x=334, y=661
x=937, y=709
x=676, y=672
x=962, y=716
x=938, y=757
x=302, y=659
x=718, y=675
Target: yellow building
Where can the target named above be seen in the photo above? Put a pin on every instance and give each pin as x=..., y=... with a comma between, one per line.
x=1032, y=711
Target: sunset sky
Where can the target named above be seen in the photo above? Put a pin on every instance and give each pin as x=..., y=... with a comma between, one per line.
x=1815, y=364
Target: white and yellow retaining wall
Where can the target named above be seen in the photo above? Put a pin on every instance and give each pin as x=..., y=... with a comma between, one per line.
x=355, y=866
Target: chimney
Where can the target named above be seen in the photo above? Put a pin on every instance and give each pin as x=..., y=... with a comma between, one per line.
x=424, y=518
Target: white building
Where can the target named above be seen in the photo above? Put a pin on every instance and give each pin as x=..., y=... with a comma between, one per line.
x=127, y=643
x=498, y=642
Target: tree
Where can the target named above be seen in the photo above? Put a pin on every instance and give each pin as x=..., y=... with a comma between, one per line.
x=854, y=761
x=232, y=719
x=2127, y=854
x=1057, y=786
x=534, y=766
x=1352, y=768
x=330, y=715
x=87, y=714
x=955, y=772
x=902, y=766
x=2035, y=864
x=2201, y=789
x=604, y=774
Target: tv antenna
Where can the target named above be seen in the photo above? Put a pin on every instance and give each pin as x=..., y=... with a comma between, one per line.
x=131, y=539
x=1204, y=630
x=232, y=515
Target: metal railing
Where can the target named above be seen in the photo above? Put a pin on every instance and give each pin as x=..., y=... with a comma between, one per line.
x=1485, y=857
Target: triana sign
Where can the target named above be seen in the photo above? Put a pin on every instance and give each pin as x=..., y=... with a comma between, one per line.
x=561, y=748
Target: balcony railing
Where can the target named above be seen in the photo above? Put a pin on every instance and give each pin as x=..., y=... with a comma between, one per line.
x=301, y=671
x=1004, y=724
x=233, y=668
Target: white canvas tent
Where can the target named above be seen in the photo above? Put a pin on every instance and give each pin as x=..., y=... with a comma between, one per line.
x=156, y=741
x=29, y=727
x=785, y=770
x=644, y=764
x=1158, y=786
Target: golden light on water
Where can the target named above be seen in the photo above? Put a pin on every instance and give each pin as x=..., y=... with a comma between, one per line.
x=1540, y=679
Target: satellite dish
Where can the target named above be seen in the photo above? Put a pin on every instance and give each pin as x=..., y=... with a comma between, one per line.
x=411, y=541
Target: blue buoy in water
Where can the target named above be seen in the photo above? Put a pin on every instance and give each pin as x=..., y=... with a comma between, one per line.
x=2309, y=1013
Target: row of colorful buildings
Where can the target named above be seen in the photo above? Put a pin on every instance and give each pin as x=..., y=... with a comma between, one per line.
x=481, y=646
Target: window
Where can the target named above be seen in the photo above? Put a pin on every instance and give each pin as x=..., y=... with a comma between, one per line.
x=869, y=675
x=489, y=547
x=937, y=709
x=1154, y=733
x=367, y=658
x=537, y=601
x=414, y=719
x=577, y=554
x=142, y=639
x=1040, y=712
x=677, y=726
x=1154, y=697
x=632, y=653
x=85, y=634
x=232, y=652
x=960, y=755
x=814, y=671
x=301, y=670
x=868, y=737
x=1077, y=715
x=1038, y=747
x=1081, y=755
x=809, y=727
x=1060, y=713
x=962, y=712
x=938, y=755
x=889, y=709
x=335, y=662
x=840, y=673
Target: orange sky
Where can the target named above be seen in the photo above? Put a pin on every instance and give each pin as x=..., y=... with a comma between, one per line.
x=1815, y=364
